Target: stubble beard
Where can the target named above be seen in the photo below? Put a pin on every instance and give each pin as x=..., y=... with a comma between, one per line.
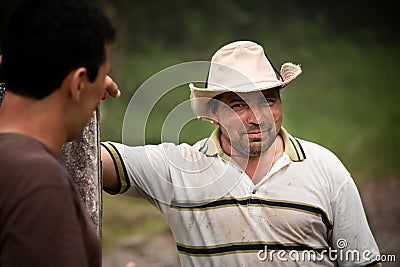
x=254, y=147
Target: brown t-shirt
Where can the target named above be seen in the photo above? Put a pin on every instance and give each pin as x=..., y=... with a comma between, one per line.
x=42, y=220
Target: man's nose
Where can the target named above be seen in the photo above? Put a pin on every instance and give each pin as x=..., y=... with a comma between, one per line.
x=258, y=115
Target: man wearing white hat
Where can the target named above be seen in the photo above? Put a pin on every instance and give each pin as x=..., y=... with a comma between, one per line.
x=250, y=194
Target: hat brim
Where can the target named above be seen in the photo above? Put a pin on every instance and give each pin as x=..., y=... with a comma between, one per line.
x=247, y=88
x=200, y=97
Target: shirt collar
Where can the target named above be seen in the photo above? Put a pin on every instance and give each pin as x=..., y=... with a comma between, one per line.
x=293, y=148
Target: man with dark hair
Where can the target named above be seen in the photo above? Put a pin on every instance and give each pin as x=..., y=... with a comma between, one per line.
x=55, y=60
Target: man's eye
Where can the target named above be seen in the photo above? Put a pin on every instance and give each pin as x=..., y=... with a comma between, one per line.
x=269, y=101
x=238, y=107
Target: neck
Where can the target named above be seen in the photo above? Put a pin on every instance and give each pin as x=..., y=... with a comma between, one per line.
x=257, y=167
x=32, y=118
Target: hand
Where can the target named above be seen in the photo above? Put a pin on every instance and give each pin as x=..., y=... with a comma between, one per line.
x=131, y=264
x=111, y=89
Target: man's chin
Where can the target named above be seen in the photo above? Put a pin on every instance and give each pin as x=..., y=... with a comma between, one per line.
x=258, y=147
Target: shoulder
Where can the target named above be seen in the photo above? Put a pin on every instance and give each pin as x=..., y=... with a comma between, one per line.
x=315, y=150
x=324, y=160
x=31, y=178
x=323, y=168
x=27, y=164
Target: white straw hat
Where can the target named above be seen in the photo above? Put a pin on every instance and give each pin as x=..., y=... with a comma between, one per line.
x=239, y=67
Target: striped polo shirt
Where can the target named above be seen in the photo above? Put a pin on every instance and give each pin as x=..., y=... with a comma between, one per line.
x=305, y=212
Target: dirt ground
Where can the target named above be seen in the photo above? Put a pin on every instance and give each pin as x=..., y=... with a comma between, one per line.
x=381, y=200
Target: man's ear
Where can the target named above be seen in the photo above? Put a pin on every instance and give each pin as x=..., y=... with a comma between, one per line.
x=78, y=78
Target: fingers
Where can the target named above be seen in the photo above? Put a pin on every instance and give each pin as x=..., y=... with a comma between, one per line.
x=111, y=88
x=130, y=264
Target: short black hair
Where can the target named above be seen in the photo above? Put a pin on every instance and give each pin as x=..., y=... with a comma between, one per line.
x=47, y=39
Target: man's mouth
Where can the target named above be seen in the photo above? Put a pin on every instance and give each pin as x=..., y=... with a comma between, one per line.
x=256, y=134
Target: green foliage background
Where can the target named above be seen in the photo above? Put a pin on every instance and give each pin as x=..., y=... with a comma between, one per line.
x=346, y=98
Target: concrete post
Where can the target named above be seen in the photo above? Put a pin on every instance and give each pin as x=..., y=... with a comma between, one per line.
x=2, y=91
x=82, y=157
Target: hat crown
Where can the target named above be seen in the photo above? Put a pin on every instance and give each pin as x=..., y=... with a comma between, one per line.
x=238, y=64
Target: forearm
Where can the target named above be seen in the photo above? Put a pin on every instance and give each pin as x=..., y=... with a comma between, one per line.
x=110, y=179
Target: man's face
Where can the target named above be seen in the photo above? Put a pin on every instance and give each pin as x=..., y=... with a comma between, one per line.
x=249, y=122
x=91, y=95
x=98, y=87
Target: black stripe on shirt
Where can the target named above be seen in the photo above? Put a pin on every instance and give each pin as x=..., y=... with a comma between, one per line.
x=233, y=248
x=256, y=202
x=301, y=148
x=297, y=148
x=122, y=174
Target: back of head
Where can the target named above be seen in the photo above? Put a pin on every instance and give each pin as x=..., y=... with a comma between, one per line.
x=46, y=39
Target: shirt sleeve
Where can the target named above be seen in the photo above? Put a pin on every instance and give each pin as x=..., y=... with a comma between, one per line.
x=143, y=171
x=351, y=236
